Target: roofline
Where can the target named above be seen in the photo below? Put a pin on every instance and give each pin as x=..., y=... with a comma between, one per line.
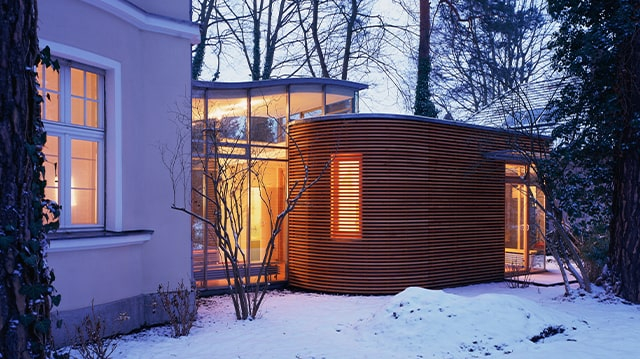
x=278, y=82
x=147, y=21
x=511, y=156
x=387, y=116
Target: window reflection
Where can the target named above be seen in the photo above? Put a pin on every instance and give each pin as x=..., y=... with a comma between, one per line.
x=268, y=115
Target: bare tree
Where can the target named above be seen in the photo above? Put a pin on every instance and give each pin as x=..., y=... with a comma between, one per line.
x=318, y=38
x=484, y=48
x=340, y=36
x=226, y=193
x=416, y=84
x=258, y=29
x=212, y=35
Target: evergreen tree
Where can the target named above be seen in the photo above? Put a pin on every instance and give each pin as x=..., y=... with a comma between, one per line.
x=598, y=46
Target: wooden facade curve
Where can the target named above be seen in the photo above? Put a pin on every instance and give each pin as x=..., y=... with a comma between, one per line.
x=432, y=211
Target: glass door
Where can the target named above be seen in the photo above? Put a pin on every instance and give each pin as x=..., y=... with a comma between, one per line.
x=516, y=227
x=524, y=223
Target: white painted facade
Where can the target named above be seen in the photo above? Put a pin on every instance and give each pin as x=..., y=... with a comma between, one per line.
x=143, y=46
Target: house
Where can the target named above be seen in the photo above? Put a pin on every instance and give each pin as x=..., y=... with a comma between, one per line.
x=401, y=200
x=125, y=64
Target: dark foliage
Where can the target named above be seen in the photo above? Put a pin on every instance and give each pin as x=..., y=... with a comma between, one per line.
x=26, y=290
x=598, y=46
x=424, y=106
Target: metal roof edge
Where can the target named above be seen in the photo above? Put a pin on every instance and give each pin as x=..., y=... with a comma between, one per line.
x=278, y=82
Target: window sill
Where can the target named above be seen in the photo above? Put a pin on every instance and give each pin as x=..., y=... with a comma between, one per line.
x=77, y=241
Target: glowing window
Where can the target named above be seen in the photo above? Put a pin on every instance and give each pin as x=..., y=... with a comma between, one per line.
x=73, y=116
x=346, y=196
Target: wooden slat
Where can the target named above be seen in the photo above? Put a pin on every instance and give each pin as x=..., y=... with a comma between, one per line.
x=432, y=206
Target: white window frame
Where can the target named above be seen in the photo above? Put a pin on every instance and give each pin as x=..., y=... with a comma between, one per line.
x=66, y=132
x=112, y=124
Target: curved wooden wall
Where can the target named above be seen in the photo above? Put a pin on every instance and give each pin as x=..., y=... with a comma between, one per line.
x=432, y=205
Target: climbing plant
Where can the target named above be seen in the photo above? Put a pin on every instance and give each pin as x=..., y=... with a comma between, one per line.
x=26, y=281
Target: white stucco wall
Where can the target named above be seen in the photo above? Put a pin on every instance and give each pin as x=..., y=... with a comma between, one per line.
x=147, y=63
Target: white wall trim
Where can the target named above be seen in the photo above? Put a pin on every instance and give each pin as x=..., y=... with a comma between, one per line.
x=147, y=21
x=113, y=125
x=91, y=243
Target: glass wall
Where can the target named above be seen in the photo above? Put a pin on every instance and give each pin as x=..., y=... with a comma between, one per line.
x=239, y=167
x=268, y=116
x=306, y=101
x=340, y=100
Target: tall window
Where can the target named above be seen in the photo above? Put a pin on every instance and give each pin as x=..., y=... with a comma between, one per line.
x=346, y=196
x=73, y=115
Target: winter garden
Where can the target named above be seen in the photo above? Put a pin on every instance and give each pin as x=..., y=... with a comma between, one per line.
x=485, y=320
x=525, y=103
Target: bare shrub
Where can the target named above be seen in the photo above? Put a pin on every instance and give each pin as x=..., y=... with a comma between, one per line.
x=178, y=306
x=517, y=276
x=90, y=340
x=226, y=182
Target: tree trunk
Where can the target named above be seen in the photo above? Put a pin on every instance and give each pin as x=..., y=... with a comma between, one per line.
x=255, y=66
x=25, y=302
x=625, y=227
x=198, y=56
x=624, y=249
x=204, y=19
x=316, y=39
x=423, y=104
x=273, y=33
x=351, y=23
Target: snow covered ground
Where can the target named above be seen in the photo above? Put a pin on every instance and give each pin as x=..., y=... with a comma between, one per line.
x=476, y=321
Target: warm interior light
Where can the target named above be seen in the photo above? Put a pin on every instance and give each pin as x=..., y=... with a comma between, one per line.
x=346, y=196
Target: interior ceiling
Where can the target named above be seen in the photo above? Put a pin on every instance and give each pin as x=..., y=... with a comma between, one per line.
x=269, y=105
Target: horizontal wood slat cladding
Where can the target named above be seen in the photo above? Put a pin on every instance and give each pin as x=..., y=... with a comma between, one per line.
x=432, y=205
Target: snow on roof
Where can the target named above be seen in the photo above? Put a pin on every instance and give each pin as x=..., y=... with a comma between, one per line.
x=527, y=106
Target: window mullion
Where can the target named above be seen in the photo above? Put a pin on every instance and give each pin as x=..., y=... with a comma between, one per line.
x=65, y=94
x=65, y=147
x=64, y=183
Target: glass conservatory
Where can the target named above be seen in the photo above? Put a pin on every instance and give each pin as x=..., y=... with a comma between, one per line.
x=244, y=125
